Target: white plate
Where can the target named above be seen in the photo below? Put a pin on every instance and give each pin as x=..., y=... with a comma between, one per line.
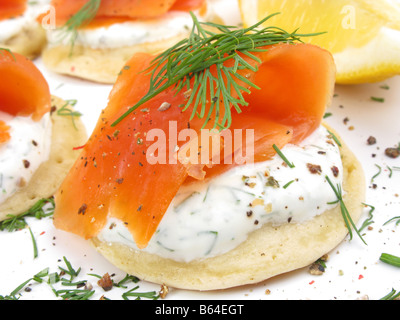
x=353, y=271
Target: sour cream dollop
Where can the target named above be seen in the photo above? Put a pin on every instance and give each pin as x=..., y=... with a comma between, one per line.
x=130, y=33
x=206, y=219
x=11, y=27
x=22, y=155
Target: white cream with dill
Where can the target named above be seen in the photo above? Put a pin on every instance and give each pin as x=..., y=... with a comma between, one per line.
x=28, y=147
x=127, y=33
x=136, y=32
x=12, y=27
x=210, y=218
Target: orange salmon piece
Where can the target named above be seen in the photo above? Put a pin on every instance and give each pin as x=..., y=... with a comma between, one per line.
x=107, y=185
x=113, y=177
x=266, y=134
x=188, y=5
x=4, y=132
x=292, y=101
x=23, y=89
x=12, y=8
x=122, y=10
x=298, y=100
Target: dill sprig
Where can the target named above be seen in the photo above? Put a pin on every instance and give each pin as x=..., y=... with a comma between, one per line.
x=83, y=17
x=81, y=289
x=390, y=259
x=17, y=222
x=345, y=213
x=280, y=153
x=377, y=174
x=38, y=211
x=152, y=295
x=66, y=110
x=9, y=52
x=37, y=278
x=397, y=219
x=191, y=59
x=392, y=295
x=369, y=220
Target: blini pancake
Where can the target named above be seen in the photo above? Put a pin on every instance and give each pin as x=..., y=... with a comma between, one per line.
x=66, y=135
x=268, y=252
x=29, y=42
x=98, y=65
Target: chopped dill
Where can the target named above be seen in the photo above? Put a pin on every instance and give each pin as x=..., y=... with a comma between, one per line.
x=397, y=219
x=378, y=99
x=192, y=59
x=70, y=288
x=83, y=17
x=345, y=213
x=392, y=295
x=335, y=138
x=369, y=220
x=39, y=210
x=377, y=174
x=390, y=259
x=280, y=153
x=288, y=184
x=65, y=110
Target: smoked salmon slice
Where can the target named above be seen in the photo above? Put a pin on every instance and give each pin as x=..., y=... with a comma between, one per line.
x=113, y=176
x=125, y=9
x=4, y=132
x=188, y=5
x=12, y=8
x=23, y=89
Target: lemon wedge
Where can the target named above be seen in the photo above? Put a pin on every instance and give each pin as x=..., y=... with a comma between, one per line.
x=362, y=35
